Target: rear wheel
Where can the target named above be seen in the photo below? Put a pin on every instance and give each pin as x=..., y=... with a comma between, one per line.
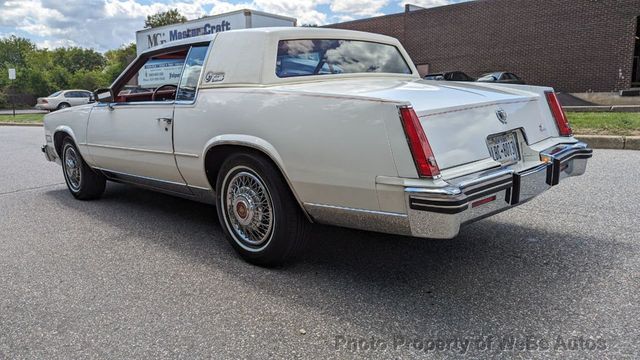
x=83, y=182
x=63, y=106
x=258, y=212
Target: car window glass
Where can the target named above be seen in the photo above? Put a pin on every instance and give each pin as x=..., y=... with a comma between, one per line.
x=334, y=56
x=157, y=78
x=487, y=77
x=68, y=94
x=191, y=73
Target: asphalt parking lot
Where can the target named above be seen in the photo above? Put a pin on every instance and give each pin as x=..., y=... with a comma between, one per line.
x=139, y=274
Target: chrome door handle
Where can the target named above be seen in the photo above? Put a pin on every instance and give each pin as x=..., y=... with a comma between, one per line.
x=166, y=120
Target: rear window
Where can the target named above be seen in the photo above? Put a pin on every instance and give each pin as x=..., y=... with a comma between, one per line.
x=326, y=56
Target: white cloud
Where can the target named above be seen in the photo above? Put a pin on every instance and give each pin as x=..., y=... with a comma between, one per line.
x=358, y=7
x=107, y=24
x=53, y=43
x=304, y=10
x=429, y=3
x=344, y=18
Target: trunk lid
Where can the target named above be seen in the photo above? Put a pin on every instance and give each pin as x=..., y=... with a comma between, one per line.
x=457, y=117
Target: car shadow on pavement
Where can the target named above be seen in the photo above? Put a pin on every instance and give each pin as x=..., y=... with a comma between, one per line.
x=494, y=277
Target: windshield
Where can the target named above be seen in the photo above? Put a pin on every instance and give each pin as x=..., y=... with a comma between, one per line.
x=321, y=57
x=55, y=94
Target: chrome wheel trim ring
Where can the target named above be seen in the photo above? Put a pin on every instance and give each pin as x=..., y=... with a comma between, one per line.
x=247, y=208
x=72, y=168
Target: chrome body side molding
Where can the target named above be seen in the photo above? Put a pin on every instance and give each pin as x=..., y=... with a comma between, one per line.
x=129, y=149
x=380, y=221
x=170, y=188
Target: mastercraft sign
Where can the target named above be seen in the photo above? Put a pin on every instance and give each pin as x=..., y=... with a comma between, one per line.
x=240, y=19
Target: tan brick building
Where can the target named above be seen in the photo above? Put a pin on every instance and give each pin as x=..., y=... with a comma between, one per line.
x=572, y=45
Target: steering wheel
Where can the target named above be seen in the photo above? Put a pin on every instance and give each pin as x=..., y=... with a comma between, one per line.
x=155, y=92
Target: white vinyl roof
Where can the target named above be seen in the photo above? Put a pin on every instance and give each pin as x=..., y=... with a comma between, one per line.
x=247, y=57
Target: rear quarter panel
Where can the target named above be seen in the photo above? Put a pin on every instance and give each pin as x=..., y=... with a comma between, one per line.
x=331, y=148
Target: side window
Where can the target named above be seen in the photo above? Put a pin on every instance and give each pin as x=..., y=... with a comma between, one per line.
x=191, y=73
x=154, y=78
x=68, y=94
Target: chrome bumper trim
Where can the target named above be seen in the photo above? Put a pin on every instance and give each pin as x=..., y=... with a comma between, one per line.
x=49, y=153
x=439, y=212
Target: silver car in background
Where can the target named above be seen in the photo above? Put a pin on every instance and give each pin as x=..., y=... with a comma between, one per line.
x=63, y=99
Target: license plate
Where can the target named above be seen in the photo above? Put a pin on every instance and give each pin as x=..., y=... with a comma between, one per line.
x=504, y=147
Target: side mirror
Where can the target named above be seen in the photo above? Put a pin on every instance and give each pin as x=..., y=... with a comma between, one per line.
x=103, y=95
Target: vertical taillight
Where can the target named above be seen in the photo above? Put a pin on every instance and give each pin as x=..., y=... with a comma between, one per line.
x=418, y=143
x=558, y=114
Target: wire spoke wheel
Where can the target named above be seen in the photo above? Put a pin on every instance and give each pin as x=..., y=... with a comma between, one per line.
x=72, y=168
x=249, y=208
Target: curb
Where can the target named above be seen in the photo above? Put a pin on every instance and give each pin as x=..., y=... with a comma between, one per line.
x=611, y=142
x=20, y=124
x=605, y=108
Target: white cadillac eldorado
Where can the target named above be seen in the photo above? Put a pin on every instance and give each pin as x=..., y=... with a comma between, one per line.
x=280, y=127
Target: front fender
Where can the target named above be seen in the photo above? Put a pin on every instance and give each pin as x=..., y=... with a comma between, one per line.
x=56, y=137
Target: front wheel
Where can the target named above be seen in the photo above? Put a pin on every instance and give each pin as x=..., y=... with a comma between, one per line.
x=83, y=182
x=258, y=212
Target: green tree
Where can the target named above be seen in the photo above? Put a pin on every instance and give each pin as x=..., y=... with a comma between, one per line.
x=118, y=60
x=14, y=51
x=163, y=18
x=41, y=72
x=34, y=77
x=75, y=58
x=88, y=80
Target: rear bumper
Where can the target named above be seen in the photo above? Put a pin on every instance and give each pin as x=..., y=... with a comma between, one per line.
x=439, y=212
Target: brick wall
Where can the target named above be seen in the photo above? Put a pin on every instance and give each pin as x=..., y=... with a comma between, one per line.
x=572, y=45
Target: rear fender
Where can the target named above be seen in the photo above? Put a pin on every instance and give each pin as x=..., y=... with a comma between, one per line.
x=262, y=146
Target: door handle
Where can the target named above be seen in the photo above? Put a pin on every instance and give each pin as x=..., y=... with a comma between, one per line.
x=166, y=120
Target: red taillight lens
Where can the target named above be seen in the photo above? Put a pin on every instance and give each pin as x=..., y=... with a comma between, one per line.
x=418, y=143
x=558, y=114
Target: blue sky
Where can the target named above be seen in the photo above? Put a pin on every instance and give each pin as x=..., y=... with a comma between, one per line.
x=107, y=24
